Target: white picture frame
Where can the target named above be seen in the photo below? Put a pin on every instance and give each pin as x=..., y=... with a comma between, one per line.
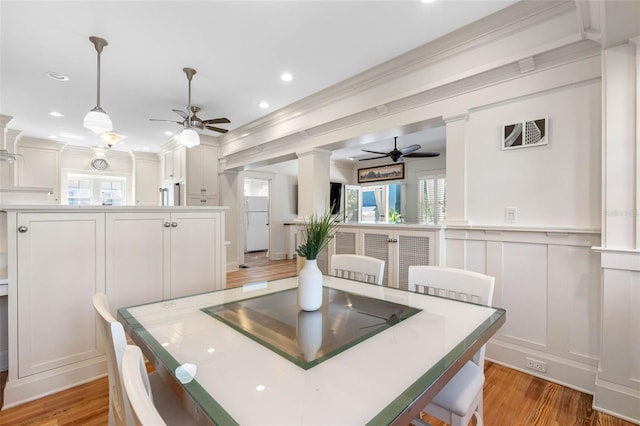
x=525, y=134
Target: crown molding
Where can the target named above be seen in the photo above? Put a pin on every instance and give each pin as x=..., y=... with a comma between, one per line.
x=506, y=21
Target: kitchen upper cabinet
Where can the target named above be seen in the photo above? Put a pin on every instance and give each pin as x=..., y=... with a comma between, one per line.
x=174, y=164
x=146, y=182
x=39, y=167
x=60, y=265
x=202, y=175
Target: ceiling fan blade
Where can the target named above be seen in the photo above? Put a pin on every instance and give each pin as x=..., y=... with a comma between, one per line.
x=216, y=121
x=409, y=149
x=423, y=154
x=216, y=129
x=374, y=158
x=166, y=121
x=377, y=152
x=180, y=113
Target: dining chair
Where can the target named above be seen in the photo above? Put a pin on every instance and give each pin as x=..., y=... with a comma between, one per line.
x=461, y=398
x=114, y=341
x=359, y=268
x=136, y=385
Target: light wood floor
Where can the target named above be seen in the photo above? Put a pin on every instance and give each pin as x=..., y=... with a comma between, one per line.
x=511, y=398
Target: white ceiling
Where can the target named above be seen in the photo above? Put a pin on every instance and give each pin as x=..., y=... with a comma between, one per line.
x=239, y=49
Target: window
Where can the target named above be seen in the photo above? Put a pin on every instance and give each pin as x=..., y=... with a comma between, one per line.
x=372, y=203
x=95, y=190
x=432, y=198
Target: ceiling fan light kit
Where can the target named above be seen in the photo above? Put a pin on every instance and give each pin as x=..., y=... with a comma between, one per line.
x=110, y=138
x=189, y=138
x=97, y=120
x=190, y=121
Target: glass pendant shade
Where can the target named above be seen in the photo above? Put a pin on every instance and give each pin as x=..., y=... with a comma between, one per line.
x=98, y=121
x=189, y=138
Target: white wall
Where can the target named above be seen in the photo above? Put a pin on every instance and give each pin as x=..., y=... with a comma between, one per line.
x=555, y=185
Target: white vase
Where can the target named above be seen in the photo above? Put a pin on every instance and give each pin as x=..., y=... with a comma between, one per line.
x=309, y=333
x=310, y=286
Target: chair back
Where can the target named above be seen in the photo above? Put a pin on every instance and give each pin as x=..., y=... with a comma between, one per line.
x=114, y=342
x=136, y=385
x=456, y=284
x=358, y=268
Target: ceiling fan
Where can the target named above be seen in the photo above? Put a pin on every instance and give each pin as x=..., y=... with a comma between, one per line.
x=189, y=118
x=396, y=154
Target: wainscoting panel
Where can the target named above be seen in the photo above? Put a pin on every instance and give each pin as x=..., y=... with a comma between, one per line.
x=524, y=291
x=550, y=284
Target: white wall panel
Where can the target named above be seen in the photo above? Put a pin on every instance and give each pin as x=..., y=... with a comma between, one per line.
x=574, y=300
x=524, y=291
x=554, y=185
x=476, y=256
x=455, y=253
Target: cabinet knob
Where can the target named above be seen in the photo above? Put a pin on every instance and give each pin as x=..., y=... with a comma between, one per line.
x=22, y=229
x=174, y=224
x=167, y=224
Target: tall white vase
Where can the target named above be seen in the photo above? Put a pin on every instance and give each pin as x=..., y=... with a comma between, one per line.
x=310, y=286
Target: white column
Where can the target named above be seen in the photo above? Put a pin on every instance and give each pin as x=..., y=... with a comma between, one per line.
x=617, y=388
x=456, y=134
x=313, y=182
x=230, y=196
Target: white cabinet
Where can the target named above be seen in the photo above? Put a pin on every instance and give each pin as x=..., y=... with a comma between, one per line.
x=399, y=248
x=39, y=167
x=174, y=164
x=60, y=263
x=158, y=255
x=146, y=182
x=58, y=258
x=202, y=175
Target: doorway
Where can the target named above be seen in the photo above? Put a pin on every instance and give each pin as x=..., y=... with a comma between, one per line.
x=256, y=220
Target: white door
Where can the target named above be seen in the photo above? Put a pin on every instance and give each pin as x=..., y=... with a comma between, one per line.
x=257, y=231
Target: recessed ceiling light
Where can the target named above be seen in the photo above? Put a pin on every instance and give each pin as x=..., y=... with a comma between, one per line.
x=146, y=148
x=168, y=133
x=263, y=105
x=285, y=76
x=56, y=114
x=427, y=1
x=53, y=136
x=57, y=76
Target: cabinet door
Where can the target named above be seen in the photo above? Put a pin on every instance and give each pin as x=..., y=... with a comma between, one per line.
x=60, y=267
x=167, y=164
x=377, y=243
x=178, y=162
x=40, y=168
x=414, y=248
x=147, y=183
x=210, y=170
x=137, y=258
x=194, y=173
x=197, y=253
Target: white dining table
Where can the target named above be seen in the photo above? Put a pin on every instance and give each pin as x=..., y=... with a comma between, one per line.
x=248, y=356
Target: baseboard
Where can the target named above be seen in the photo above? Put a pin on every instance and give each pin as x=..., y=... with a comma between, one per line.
x=19, y=391
x=619, y=401
x=279, y=256
x=233, y=266
x=566, y=372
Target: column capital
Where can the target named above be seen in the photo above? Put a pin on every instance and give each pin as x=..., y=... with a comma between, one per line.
x=313, y=151
x=459, y=116
x=4, y=120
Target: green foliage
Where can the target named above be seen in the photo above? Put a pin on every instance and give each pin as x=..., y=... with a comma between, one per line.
x=394, y=216
x=316, y=234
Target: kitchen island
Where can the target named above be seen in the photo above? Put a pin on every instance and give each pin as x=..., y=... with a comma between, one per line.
x=59, y=256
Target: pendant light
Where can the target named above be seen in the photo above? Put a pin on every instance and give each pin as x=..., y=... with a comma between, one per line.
x=189, y=137
x=97, y=120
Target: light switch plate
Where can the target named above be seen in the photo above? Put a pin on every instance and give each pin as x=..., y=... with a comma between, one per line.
x=511, y=214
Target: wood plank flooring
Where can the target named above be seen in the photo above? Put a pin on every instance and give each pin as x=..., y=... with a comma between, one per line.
x=511, y=398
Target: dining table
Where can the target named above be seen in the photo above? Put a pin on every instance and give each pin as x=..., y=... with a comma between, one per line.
x=248, y=355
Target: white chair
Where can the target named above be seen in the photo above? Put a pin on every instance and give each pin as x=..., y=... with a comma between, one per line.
x=136, y=385
x=461, y=398
x=358, y=268
x=115, y=341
